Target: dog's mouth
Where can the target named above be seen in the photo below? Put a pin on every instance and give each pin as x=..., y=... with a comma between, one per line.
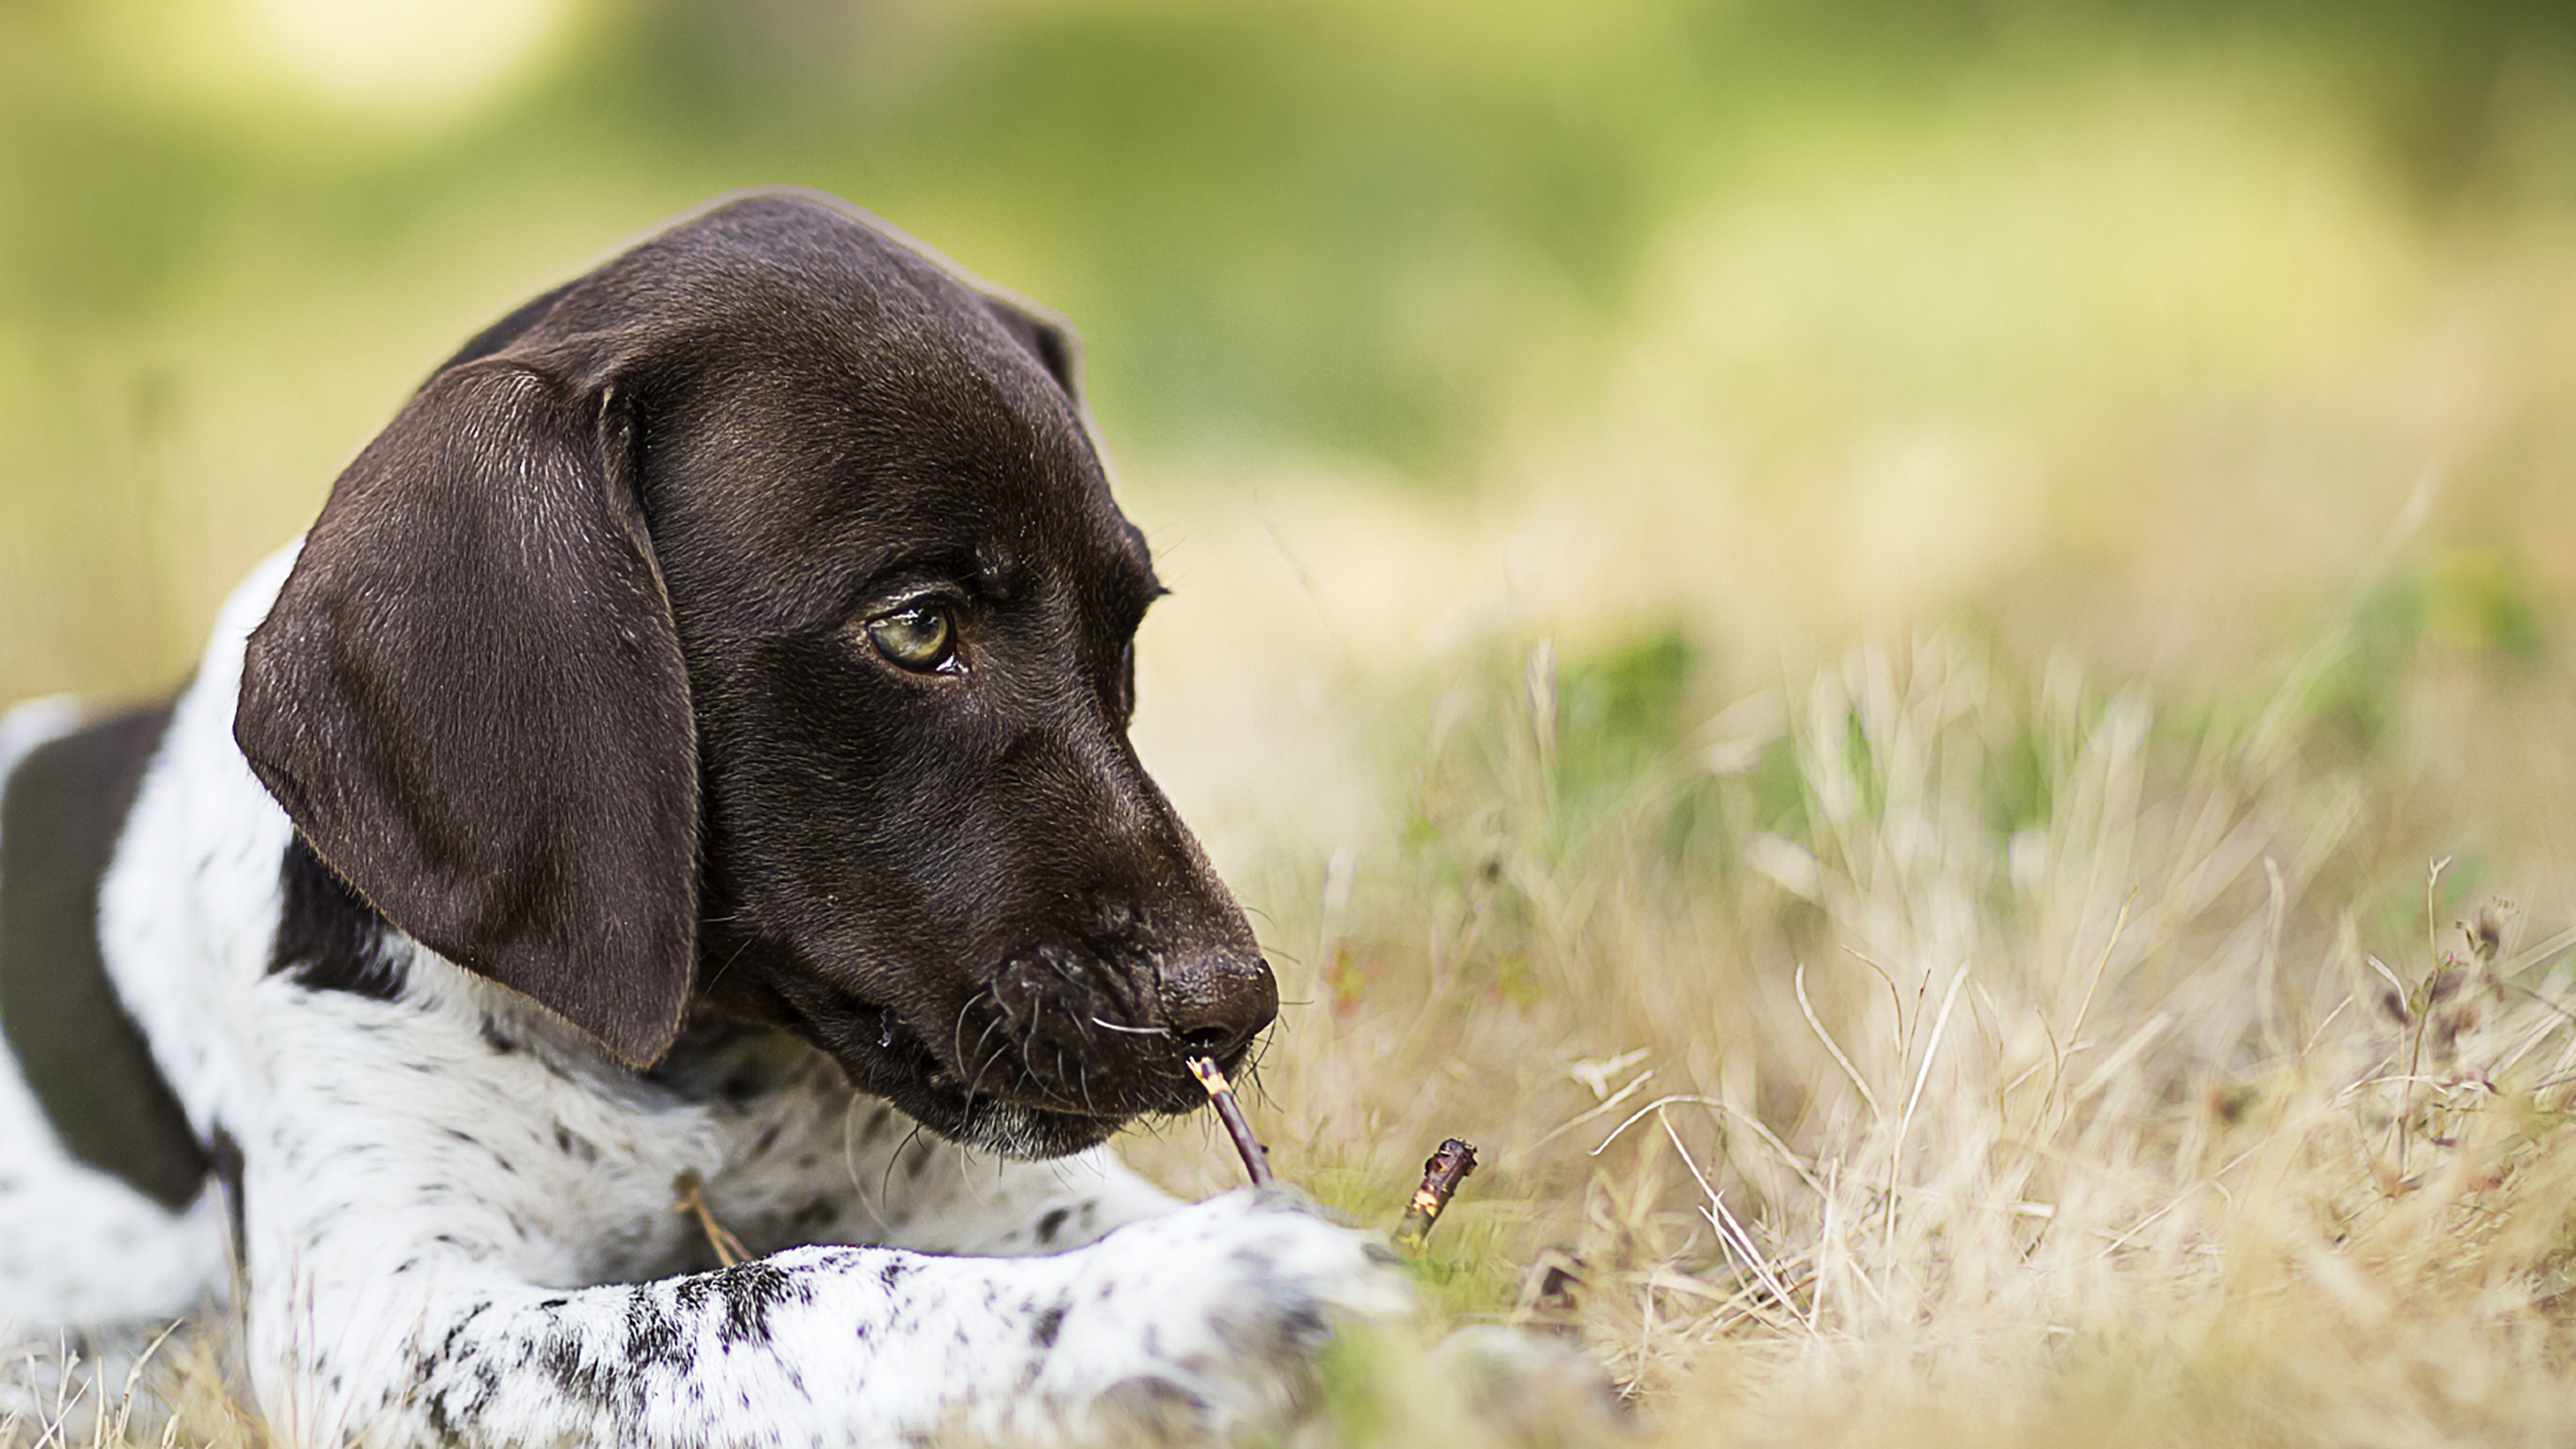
x=972, y=1108
x=989, y=1095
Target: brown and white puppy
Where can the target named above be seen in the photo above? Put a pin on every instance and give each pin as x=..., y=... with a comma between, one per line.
x=693, y=734
x=750, y=624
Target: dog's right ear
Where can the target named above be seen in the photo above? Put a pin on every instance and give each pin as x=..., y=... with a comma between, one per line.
x=1048, y=337
x=469, y=698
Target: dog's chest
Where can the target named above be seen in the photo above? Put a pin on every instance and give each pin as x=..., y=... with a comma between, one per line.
x=598, y=1176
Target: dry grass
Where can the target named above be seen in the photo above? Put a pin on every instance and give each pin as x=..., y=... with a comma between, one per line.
x=174, y=1385
x=2107, y=1128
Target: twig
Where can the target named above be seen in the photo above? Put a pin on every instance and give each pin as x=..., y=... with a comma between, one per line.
x=730, y=1253
x=1256, y=1158
x=1442, y=1171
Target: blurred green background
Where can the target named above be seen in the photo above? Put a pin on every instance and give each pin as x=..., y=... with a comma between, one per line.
x=2128, y=330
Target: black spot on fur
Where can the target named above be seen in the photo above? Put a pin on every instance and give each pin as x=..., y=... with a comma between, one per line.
x=749, y=1292
x=328, y=937
x=450, y=1411
x=654, y=1336
x=1049, y=1324
x=573, y=1144
x=1052, y=1224
x=582, y=1380
x=66, y=805
x=494, y=1038
x=226, y=1155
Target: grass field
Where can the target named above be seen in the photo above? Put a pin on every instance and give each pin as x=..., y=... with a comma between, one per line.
x=1963, y=776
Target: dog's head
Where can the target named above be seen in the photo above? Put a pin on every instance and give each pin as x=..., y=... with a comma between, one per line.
x=749, y=623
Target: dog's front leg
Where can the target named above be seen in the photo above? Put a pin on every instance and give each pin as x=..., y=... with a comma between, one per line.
x=1208, y=1316
x=967, y=1201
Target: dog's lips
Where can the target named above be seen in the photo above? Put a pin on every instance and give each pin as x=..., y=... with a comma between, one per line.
x=884, y=1055
x=917, y=1058
x=994, y=1108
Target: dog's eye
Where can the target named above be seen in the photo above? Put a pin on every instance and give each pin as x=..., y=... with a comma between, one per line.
x=919, y=638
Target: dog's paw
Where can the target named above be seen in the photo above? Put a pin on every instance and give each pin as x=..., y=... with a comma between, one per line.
x=1528, y=1389
x=1207, y=1321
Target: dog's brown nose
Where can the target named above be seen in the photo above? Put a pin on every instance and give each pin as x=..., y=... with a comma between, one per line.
x=1214, y=1002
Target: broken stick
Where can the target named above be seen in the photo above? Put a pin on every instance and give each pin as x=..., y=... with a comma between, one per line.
x=1256, y=1158
x=1441, y=1174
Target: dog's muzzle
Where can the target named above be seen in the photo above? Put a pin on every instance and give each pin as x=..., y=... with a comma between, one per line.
x=1070, y=1031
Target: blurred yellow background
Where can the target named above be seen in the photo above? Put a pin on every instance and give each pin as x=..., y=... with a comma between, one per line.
x=2119, y=332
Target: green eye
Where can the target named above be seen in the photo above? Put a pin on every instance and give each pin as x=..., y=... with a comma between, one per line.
x=919, y=638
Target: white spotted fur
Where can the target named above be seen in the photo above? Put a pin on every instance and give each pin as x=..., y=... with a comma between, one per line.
x=449, y=1241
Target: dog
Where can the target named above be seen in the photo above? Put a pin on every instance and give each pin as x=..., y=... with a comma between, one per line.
x=685, y=763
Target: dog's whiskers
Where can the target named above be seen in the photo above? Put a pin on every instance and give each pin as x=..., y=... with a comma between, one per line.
x=983, y=1063
x=1252, y=1068
x=885, y=1183
x=850, y=1163
x=1081, y=1066
x=957, y=1033
x=1057, y=964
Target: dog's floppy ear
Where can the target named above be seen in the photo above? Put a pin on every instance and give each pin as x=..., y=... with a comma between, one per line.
x=469, y=698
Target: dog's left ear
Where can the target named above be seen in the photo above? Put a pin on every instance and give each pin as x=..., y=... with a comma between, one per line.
x=470, y=699
x=1049, y=338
